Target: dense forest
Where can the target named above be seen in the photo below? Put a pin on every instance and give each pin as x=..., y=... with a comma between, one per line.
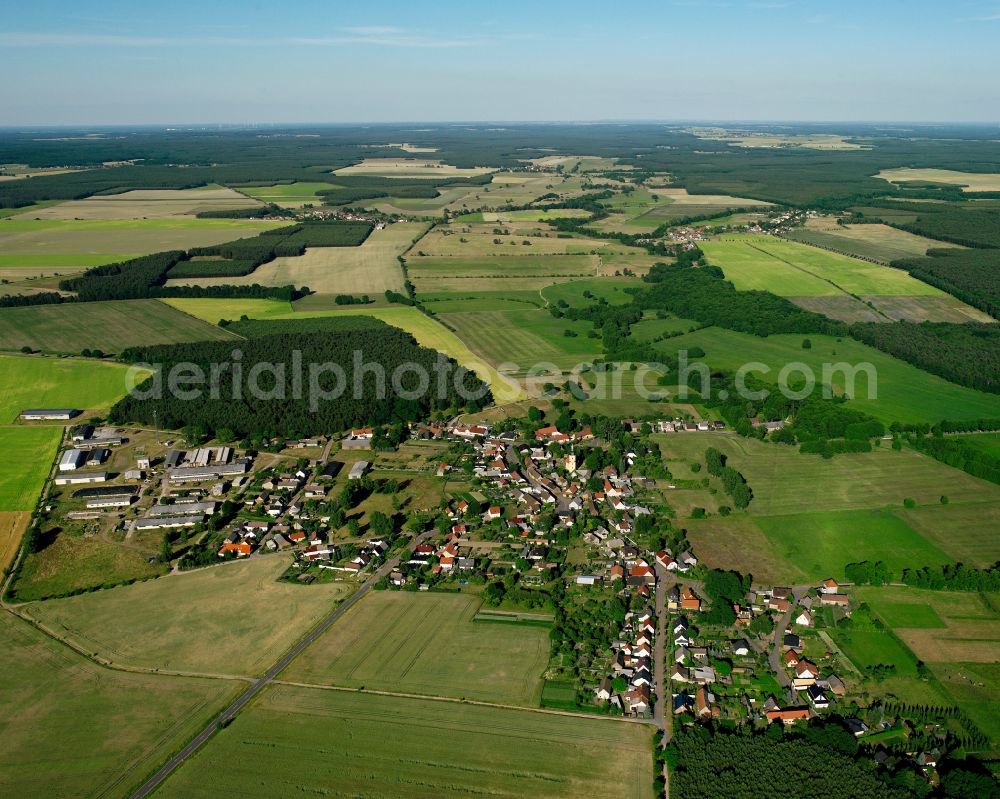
x=971, y=275
x=967, y=354
x=304, y=380
x=156, y=159
x=711, y=764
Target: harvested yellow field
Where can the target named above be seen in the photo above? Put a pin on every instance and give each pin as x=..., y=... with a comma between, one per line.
x=370, y=269
x=969, y=181
x=681, y=197
x=409, y=168
x=230, y=619
x=12, y=527
x=146, y=204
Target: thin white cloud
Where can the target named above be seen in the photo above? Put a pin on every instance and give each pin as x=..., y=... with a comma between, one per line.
x=371, y=35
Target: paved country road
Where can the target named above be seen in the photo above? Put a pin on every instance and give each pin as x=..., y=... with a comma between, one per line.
x=243, y=699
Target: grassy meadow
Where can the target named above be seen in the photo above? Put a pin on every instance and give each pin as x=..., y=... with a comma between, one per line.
x=28, y=453
x=427, y=644
x=233, y=619
x=40, y=382
x=389, y=746
x=525, y=338
x=289, y=195
x=821, y=544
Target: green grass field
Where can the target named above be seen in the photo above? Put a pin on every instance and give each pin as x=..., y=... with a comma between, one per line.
x=28, y=453
x=902, y=392
x=525, y=338
x=36, y=382
x=648, y=329
x=361, y=744
x=102, y=731
x=821, y=544
x=790, y=269
x=427, y=644
x=61, y=262
x=289, y=195
x=232, y=619
x=42, y=238
x=958, y=528
x=984, y=442
x=610, y=289
x=108, y=326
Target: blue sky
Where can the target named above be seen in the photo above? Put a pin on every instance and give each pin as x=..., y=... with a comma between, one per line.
x=115, y=62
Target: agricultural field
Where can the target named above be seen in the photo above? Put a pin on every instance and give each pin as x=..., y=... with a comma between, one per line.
x=576, y=293
x=959, y=529
x=526, y=215
x=107, y=326
x=784, y=480
x=736, y=543
x=416, y=748
x=288, y=195
x=876, y=241
x=427, y=644
x=210, y=627
x=975, y=688
x=644, y=209
x=370, y=268
x=28, y=453
x=146, y=204
x=525, y=338
x=984, y=442
x=939, y=626
x=39, y=382
x=100, y=730
x=821, y=544
x=13, y=525
x=409, y=168
x=75, y=243
x=790, y=269
x=474, y=240
x=486, y=273
x=969, y=181
x=447, y=303
x=900, y=392
x=649, y=329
